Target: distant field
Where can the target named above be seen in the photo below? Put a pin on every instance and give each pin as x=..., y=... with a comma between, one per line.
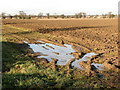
x=51, y=25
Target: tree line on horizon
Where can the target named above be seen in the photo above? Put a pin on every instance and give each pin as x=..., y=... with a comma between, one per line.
x=23, y=15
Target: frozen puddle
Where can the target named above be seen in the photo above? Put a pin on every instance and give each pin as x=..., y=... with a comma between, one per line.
x=61, y=53
x=98, y=65
x=84, y=58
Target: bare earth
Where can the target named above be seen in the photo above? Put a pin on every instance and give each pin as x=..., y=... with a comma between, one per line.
x=98, y=35
x=85, y=35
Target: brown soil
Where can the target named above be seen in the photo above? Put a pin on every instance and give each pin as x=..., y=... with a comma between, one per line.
x=95, y=35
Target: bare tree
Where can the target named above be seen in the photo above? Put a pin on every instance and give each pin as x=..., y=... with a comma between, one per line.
x=109, y=14
x=40, y=15
x=76, y=16
x=84, y=15
x=80, y=15
x=3, y=15
x=55, y=15
x=22, y=14
x=62, y=16
x=48, y=15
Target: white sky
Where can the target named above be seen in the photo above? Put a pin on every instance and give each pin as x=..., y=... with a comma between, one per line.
x=59, y=6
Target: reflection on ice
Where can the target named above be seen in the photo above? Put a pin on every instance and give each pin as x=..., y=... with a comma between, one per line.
x=64, y=53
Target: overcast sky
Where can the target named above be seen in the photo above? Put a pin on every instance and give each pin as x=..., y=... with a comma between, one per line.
x=59, y=6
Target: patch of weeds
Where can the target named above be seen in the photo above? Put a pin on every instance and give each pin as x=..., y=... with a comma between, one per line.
x=63, y=82
x=23, y=81
x=79, y=84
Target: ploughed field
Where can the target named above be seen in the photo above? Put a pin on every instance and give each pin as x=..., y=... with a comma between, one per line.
x=84, y=35
x=99, y=35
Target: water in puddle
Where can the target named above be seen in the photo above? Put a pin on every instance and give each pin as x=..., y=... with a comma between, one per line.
x=98, y=66
x=61, y=53
x=84, y=58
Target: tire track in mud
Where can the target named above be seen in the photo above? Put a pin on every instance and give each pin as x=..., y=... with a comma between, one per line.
x=74, y=28
x=21, y=39
x=47, y=30
x=81, y=45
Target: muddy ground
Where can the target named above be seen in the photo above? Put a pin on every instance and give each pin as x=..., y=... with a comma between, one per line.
x=99, y=35
x=89, y=35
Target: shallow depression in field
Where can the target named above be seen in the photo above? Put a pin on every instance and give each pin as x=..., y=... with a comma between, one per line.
x=62, y=53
